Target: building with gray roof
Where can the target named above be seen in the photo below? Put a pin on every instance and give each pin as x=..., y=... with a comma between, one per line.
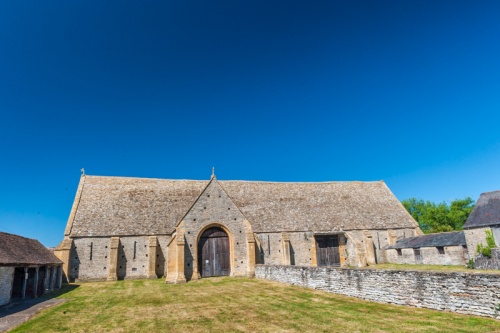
x=484, y=217
x=27, y=268
x=444, y=248
x=123, y=227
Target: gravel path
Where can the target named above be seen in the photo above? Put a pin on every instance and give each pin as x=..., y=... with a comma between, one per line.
x=14, y=314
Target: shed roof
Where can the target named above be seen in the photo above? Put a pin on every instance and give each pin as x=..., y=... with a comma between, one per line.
x=117, y=206
x=454, y=238
x=20, y=251
x=486, y=212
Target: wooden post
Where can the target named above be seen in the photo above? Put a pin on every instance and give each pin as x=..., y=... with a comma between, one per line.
x=113, y=258
x=35, y=283
x=46, y=279
x=25, y=280
x=153, y=243
x=59, y=277
x=51, y=280
x=251, y=254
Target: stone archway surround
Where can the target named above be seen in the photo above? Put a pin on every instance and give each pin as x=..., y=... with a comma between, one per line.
x=196, y=273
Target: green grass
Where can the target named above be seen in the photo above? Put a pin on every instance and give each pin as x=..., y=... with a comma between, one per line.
x=234, y=305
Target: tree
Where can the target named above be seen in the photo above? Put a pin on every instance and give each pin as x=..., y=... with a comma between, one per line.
x=440, y=217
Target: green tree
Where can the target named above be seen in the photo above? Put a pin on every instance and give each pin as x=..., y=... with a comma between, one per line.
x=440, y=217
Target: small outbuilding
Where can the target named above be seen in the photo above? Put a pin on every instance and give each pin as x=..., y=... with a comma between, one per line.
x=27, y=268
x=445, y=248
x=484, y=217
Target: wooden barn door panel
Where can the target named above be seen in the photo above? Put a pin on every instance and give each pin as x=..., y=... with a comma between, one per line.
x=214, y=253
x=327, y=250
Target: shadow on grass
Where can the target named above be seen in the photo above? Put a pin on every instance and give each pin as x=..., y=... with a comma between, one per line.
x=18, y=305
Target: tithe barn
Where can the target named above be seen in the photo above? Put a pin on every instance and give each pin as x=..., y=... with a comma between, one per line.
x=121, y=228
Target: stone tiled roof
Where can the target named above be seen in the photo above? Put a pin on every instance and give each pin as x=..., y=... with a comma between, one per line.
x=318, y=207
x=20, y=251
x=118, y=206
x=486, y=212
x=454, y=238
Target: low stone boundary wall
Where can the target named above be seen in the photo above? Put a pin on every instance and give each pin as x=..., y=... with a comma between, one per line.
x=467, y=293
x=482, y=262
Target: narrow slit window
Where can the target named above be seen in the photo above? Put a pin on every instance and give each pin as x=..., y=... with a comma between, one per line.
x=135, y=248
x=91, y=248
x=268, y=245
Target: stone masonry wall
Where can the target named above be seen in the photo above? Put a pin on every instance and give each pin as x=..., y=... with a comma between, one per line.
x=270, y=248
x=453, y=255
x=476, y=294
x=482, y=262
x=303, y=244
x=473, y=237
x=6, y=277
x=81, y=267
x=215, y=208
x=132, y=260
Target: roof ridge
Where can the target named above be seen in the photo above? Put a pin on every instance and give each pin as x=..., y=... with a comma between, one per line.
x=245, y=181
x=15, y=235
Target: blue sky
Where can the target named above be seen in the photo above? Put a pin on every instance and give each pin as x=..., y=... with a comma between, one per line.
x=403, y=91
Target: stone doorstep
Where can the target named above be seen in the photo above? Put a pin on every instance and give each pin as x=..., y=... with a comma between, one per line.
x=18, y=312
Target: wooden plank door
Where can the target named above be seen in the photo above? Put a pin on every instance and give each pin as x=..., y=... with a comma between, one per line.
x=214, y=253
x=327, y=250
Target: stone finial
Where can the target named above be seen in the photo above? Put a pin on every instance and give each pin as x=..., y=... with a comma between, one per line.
x=83, y=171
x=213, y=173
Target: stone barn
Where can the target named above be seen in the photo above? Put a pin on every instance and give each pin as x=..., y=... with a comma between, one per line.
x=445, y=248
x=27, y=268
x=121, y=228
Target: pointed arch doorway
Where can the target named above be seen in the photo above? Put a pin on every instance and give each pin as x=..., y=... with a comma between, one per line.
x=213, y=253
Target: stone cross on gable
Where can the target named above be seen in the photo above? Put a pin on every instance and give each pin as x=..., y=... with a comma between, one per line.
x=213, y=172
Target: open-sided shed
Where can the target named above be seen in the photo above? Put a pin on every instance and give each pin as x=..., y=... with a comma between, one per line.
x=27, y=268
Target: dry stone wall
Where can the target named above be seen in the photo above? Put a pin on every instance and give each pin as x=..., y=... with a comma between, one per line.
x=6, y=277
x=482, y=262
x=476, y=294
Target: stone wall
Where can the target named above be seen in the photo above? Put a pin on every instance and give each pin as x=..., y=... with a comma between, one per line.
x=482, y=262
x=270, y=248
x=90, y=258
x=473, y=237
x=6, y=278
x=476, y=294
x=453, y=255
x=215, y=208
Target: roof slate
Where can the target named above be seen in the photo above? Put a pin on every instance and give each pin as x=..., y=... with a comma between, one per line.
x=486, y=212
x=454, y=238
x=118, y=206
x=17, y=250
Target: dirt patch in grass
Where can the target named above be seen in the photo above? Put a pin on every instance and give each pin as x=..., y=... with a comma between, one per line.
x=235, y=305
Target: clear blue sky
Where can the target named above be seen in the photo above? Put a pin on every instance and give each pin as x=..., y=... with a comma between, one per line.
x=403, y=91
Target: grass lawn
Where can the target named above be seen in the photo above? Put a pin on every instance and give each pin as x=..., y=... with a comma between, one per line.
x=235, y=305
